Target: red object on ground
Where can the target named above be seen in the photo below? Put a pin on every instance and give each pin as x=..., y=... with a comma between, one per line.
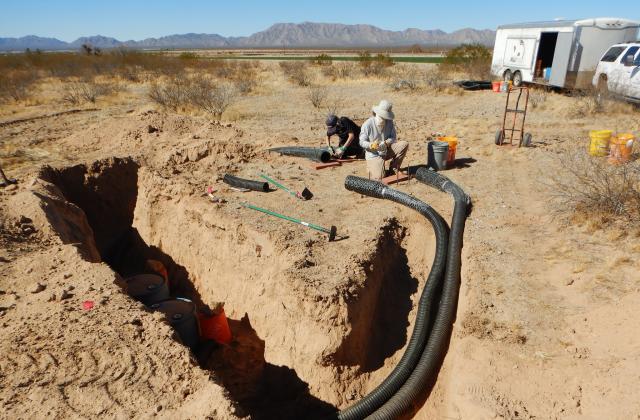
x=392, y=179
x=87, y=305
x=330, y=164
x=215, y=327
x=495, y=86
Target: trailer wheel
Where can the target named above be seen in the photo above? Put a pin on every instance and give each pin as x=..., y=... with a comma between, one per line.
x=526, y=140
x=517, y=79
x=499, y=137
x=506, y=76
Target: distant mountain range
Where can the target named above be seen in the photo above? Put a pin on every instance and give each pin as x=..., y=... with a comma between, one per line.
x=298, y=35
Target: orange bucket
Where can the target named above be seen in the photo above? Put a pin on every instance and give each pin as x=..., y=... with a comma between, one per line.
x=620, y=148
x=495, y=86
x=453, y=144
x=214, y=326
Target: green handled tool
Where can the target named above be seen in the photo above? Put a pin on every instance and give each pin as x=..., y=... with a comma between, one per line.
x=331, y=232
x=304, y=195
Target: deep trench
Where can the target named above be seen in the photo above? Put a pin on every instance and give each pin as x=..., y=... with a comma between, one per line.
x=107, y=193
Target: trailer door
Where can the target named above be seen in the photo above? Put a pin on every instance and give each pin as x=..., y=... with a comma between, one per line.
x=561, y=58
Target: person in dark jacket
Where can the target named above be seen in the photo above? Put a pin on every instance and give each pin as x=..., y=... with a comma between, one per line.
x=348, y=133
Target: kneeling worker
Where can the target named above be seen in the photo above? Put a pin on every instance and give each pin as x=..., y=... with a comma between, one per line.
x=348, y=133
x=378, y=139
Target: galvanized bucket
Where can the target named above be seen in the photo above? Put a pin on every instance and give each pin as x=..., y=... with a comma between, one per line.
x=437, y=154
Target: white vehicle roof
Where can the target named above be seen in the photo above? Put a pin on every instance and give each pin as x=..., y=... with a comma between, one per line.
x=602, y=22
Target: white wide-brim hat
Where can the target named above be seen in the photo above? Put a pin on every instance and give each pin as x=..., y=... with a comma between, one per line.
x=383, y=109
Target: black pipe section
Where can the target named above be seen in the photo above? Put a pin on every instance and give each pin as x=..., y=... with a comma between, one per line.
x=234, y=181
x=417, y=342
x=313, y=153
x=433, y=355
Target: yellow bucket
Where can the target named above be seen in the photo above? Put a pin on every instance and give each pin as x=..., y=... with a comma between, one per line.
x=599, y=145
x=453, y=145
x=620, y=147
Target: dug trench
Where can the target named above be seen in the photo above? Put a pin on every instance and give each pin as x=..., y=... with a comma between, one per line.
x=298, y=350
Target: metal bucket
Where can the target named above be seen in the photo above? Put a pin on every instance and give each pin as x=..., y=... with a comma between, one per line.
x=437, y=154
x=147, y=288
x=181, y=315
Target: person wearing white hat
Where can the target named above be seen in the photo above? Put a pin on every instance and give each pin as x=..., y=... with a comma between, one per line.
x=378, y=139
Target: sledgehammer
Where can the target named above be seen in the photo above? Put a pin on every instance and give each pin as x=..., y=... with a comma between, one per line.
x=304, y=195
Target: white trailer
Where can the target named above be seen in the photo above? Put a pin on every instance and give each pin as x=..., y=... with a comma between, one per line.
x=557, y=53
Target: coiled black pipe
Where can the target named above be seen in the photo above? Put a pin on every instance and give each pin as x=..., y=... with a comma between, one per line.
x=435, y=350
x=234, y=181
x=403, y=369
x=313, y=153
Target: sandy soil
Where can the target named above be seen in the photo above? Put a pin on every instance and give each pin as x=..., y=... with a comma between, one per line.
x=545, y=325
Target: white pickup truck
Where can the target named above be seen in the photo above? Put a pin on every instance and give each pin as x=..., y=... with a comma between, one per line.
x=618, y=72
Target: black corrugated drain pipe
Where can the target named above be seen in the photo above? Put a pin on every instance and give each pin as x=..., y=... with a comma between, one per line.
x=417, y=342
x=236, y=182
x=407, y=398
x=313, y=153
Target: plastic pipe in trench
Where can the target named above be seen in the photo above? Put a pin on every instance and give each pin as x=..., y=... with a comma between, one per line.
x=403, y=369
x=387, y=401
x=435, y=350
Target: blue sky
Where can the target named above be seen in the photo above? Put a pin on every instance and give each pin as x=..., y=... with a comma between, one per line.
x=67, y=20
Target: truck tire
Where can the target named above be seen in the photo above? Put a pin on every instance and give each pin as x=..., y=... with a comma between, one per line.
x=507, y=76
x=517, y=79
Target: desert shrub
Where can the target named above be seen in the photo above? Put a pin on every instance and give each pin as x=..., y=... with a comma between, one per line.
x=296, y=72
x=434, y=80
x=472, y=60
x=77, y=92
x=209, y=97
x=585, y=106
x=340, y=70
x=322, y=60
x=245, y=76
x=16, y=85
x=594, y=187
x=374, y=66
x=188, y=56
x=537, y=98
x=173, y=94
x=408, y=85
x=317, y=95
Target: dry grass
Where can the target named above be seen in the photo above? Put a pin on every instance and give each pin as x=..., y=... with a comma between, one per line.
x=594, y=188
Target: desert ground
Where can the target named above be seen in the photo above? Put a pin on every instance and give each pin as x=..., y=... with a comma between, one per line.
x=547, y=318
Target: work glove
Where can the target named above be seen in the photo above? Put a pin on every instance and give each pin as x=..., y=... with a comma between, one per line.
x=339, y=152
x=374, y=146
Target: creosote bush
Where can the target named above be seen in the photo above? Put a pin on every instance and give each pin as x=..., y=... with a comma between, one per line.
x=16, y=85
x=592, y=186
x=472, y=60
x=296, y=72
x=201, y=93
x=317, y=96
x=374, y=65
